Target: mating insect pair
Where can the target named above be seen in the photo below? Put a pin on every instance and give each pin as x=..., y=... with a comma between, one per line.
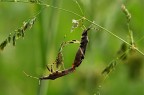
x=59, y=60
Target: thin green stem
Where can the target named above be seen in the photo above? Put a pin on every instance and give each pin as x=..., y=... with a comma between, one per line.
x=46, y=5
x=140, y=39
x=130, y=34
x=43, y=49
x=139, y=51
x=90, y=22
x=108, y=31
x=60, y=9
x=79, y=7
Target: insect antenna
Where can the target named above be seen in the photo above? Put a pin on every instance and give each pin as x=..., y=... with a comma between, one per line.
x=31, y=76
x=79, y=7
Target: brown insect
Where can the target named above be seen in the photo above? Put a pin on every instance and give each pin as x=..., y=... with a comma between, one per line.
x=81, y=51
x=77, y=61
x=57, y=74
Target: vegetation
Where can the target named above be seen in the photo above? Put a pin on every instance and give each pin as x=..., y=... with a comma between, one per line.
x=112, y=63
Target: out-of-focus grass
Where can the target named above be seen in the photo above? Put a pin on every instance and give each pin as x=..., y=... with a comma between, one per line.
x=41, y=44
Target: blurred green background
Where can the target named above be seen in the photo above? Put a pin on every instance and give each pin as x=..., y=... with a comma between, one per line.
x=41, y=43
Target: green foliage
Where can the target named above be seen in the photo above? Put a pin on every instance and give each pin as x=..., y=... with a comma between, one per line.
x=41, y=43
